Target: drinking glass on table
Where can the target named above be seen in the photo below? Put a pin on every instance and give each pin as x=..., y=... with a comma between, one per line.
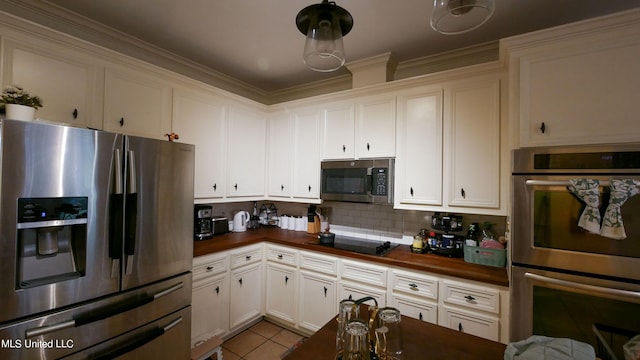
x=389, y=344
x=347, y=310
x=356, y=341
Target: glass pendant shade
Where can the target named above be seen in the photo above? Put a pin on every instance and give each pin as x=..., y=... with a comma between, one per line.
x=459, y=16
x=324, y=25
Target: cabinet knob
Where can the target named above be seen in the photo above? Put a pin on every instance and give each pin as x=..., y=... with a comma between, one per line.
x=281, y=187
x=248, y=257
x=121, y=121
x=420, y=316
x=309, y=188
x=543, y=127
x=209, y=268
x=411, y=191
x=470, y=298
x=368, y=147
x=413, y=286
x=280, y=256
x=462, y=193
x=215, y=186
x=235, y=186
x=217, y=289
x=344, y=148
x=286, y=279
x=460, y=327
x=240, y=281
x=325, y=292
x=75, y=113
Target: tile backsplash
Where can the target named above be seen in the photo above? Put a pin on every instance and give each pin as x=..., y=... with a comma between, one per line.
x=372, y=218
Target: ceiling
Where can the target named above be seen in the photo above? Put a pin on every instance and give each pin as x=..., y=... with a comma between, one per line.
x=256, y=41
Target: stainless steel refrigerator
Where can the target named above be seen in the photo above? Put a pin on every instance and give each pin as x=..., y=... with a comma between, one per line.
x=95, y=244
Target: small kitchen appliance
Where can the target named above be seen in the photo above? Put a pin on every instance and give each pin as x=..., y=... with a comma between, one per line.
x=202, y=222
x=363, y=181
x=240, y=221
x=220, y=225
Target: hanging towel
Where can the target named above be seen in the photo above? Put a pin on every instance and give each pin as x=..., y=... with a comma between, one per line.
x=587, y=190
x=621, y=190
x=539, y=347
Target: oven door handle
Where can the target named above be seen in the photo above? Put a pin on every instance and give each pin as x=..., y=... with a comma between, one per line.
x=586, y=287
x=557, y=183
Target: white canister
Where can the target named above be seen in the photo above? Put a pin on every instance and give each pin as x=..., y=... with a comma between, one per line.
x=292, y=223
x=284, y=222
x=301, y=224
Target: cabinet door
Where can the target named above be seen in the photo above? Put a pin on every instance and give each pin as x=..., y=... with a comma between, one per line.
x=136, y=103
x=208, y=308
x=306, y=154
x=471, y=323
x=245, y=295
x=376, y=126
x=318, y=301
x=201, y=120
x=63, y=79
x=580, y=91
x=281, y=297
x=419, y=158
x=246, y=152
x=417, y=309
x=338, y=122
x=472, y=115
x=280, y=154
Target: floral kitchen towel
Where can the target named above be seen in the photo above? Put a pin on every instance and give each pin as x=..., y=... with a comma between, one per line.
x=621, y=190
x=588, y=191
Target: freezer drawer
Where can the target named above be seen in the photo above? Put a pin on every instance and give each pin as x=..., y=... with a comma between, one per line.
x=62, y=333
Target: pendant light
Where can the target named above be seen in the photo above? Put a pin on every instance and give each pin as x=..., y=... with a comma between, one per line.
x=459, y=16
x=324, y=25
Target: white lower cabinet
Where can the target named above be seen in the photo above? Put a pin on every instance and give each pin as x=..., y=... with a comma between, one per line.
x=415, y=295
x=210, y=299
x=245, y=295
x=471, y=323
x=281, y=302
x=318, y=300
x=415, y=308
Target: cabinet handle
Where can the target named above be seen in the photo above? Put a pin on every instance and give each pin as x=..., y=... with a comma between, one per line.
x=215, y=187
x=420, y=316
x=309, y=188
x=543, y=127
x=344, y=148
x=281, y=187
x=350, y=297
x=460, y=326
x=121, y=121
x=411, y=191
x=248, y=257
x=325, y=292
x=286, y=279
x=368, y=147
x=470, y=298
x=279, y=256
x=235, y=186
x=240, y=281
x=413, y=286
x=75, y=113
x=464, y=195
x=209, y=268
x=217, y=289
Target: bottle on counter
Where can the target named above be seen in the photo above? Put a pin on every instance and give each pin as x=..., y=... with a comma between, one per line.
x=472, y=235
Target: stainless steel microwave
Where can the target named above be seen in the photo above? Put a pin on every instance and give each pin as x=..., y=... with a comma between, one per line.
x=363, y=181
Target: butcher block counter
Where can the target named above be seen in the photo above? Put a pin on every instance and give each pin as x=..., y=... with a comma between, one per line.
x=400, y=256
x=421, y=340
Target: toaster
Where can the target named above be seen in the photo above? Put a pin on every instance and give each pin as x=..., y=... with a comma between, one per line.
x=220, y=225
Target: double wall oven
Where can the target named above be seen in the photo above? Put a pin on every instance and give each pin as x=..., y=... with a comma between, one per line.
x=576, y=244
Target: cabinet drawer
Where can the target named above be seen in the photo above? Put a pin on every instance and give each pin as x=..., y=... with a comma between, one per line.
x=367, y=273
x=352, y=291
x=471, y=323
x=469, y=296
x=417, y=309
x=246, y=255
x=320, y=263
x=416, y=285
x=282, y=255
x=209, y=265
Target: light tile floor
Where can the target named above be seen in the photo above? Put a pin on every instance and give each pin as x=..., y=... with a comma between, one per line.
x=262, y=341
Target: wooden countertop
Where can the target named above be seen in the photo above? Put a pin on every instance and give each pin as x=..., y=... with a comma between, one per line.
x=421, y=340
x=401, y=256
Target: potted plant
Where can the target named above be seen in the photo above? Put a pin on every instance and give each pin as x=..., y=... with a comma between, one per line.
x=18, y=104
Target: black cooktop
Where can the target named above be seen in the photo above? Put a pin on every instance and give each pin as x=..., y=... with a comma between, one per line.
x=362, y=246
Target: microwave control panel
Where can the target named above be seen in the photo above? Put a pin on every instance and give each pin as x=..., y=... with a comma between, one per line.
x=379, y=181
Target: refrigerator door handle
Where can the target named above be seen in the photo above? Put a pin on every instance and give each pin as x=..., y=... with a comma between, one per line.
x=116, y=205
x=136, y=342
x=131, y=214
x=102, y=313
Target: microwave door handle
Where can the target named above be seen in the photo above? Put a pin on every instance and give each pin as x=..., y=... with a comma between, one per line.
x=115, y=215
x=585, y=287
x=557, y=182
x=131, y=208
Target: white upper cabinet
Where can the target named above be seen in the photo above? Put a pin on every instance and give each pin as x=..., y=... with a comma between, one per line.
x=246, y=157
x=280, y=155
x=419, y=158
x=137, y=103
x=376, y=126
x=472, y=119
x=200, y=119
x=65, y=80
x=338, y=120
x=306, y=154
x=577, y=84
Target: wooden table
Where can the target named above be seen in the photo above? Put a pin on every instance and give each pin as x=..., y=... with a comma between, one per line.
x=422, y=341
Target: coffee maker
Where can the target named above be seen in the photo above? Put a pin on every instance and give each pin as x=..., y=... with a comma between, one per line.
x=202, y=222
